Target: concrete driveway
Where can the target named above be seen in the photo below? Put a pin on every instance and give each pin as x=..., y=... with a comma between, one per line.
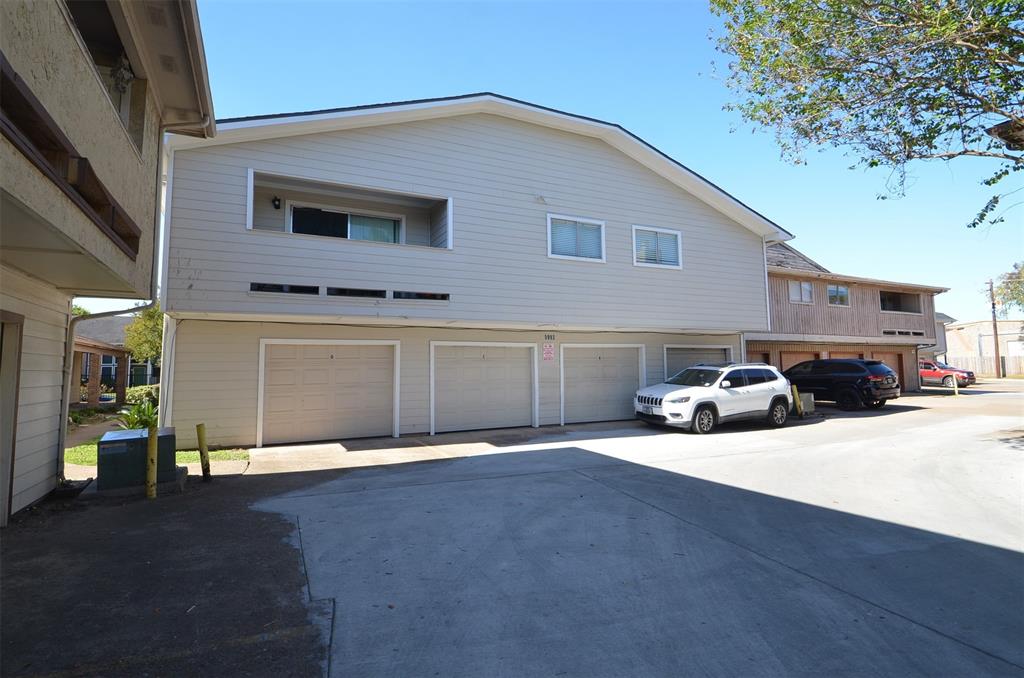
x=872, y=543
x=861, y=544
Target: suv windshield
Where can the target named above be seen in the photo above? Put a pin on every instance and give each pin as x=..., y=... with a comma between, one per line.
x=693, y=376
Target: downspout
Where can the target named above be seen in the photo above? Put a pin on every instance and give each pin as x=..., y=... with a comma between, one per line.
x=69, y=339
x=767, y=292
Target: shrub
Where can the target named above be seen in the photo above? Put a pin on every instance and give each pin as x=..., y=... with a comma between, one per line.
x=138, y=394
x=140, y=415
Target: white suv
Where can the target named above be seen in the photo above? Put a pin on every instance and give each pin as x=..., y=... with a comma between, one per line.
x=703, y=396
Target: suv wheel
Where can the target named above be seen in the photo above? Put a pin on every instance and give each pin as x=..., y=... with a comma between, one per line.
x=876, y=404
x=778, y=413
x=703, y=420
x=947, y=382
x=848, y=399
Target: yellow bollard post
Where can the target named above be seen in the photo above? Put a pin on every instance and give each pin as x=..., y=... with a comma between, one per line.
x=956, y=386
x=796, y=401
x=204, y=454
x=151, y=464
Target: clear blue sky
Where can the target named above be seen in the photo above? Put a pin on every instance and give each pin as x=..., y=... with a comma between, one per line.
x=645, y=66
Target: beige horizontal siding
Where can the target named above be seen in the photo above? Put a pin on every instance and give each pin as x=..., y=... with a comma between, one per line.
x=504, y=177
x=862, y=318
x=909, y=377
x=39, y=408
x=216, y=369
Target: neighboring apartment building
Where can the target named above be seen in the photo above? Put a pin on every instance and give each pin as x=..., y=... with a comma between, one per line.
x=86, y=91
x=450, y=264
x=819, y=314
x=938, y=351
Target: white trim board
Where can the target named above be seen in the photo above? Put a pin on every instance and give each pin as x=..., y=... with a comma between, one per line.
x=666, y=347
x=641, y=372
x=507, y=344
x=396, y=387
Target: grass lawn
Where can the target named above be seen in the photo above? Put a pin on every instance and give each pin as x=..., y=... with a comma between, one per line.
x=85, y=455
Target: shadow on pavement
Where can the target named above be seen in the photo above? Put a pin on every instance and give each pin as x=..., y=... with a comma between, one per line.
x=556, y=562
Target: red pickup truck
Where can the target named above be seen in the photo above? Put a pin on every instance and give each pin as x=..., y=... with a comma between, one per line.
x=934, y=372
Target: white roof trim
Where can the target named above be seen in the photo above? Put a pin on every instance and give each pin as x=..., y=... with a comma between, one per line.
x=255, y=129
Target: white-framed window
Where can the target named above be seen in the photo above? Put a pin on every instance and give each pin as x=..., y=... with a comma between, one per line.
x=801, y=292
x=575, y=238
x=657, y=247
x=337, y=222
x=838, y=295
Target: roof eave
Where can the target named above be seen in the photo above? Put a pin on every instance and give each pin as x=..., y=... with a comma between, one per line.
x=258, y=128
x=798, y=272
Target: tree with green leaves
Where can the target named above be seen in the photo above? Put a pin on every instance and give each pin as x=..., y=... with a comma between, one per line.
x=144, y=334
x=77, y=310
x=1009, y=289
x=891, y=82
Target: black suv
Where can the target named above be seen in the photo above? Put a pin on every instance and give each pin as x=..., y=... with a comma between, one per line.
x=851, y=384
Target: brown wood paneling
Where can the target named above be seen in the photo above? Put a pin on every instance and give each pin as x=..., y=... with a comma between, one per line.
x=862, y=318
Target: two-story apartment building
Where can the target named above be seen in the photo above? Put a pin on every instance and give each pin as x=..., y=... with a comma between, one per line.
x=819, y=314
x=87, y=91
x=449, y=264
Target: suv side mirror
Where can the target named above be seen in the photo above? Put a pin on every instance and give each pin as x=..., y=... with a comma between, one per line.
x=726, y=384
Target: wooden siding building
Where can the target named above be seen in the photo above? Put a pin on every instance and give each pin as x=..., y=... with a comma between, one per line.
x=819, y=314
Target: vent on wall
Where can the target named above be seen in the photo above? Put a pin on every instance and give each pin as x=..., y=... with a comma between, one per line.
x=904, y=333
x=422, y=296
x=355, y=292
x=284, y=289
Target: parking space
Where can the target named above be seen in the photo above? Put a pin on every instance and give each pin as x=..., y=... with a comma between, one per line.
x=884, y=542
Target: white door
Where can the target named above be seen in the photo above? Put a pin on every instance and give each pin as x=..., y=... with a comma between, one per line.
x=600, y=382
x=678, y=359
x=327, y=392
x=740, y=397
x=478, y=386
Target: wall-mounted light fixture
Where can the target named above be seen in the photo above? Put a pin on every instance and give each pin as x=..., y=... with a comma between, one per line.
x=276, y=202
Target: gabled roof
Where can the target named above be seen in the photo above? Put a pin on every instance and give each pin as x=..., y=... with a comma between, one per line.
x=109, y=330
x=782, y=255
x=255, y=128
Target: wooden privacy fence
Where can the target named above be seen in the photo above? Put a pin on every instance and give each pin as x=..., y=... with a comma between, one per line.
x=1013, y=365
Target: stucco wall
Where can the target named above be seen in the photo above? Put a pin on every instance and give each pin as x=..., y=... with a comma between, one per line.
x=43, y=48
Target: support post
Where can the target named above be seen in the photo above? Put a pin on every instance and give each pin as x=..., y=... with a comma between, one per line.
x=956, y=386
x=151, y=463
x=796, y=401
x=204, y=453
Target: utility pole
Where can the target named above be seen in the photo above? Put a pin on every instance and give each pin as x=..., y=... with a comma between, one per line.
x=995, y=329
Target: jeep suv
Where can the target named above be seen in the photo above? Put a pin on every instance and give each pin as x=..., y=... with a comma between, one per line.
x=703, y=396
x=851, y=384
x=934, y=372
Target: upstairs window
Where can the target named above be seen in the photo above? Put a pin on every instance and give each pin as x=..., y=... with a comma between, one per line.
x=656, y=247
x=575, y=238
x=900, y=302
x=801, y=292
x=323, y=221
x=838, y=295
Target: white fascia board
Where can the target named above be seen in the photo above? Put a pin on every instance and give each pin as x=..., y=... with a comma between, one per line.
x=615, y=136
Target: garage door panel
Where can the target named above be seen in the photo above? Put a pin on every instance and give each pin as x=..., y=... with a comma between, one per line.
x=678, y=359
x=600, y=383
x=323, y=392
x=478, y=387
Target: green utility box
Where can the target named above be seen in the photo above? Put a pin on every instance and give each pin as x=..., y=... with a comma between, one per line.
x=121, y=458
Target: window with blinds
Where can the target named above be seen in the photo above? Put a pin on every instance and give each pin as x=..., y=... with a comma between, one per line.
x=575, y=238
x=656, y=247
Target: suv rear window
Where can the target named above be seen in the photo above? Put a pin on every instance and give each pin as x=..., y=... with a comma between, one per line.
x=879, y=368
x=844, y=368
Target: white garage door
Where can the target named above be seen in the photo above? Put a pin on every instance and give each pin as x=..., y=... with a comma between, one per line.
x=482, y=387
x=326, y=392
x=600, y=383
x=678, y=359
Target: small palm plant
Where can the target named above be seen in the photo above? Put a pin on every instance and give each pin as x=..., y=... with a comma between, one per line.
x=139, y=415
